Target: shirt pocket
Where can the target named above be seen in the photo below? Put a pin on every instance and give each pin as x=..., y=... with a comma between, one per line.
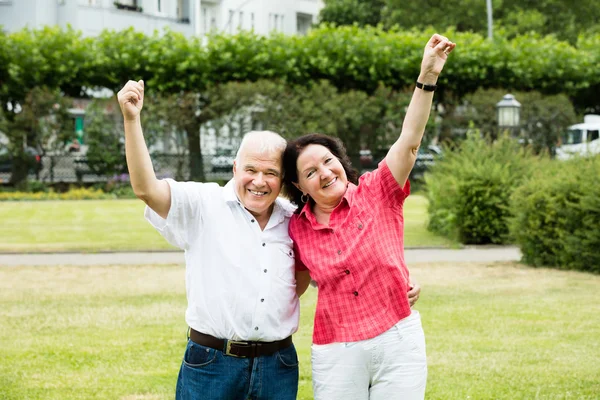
x=285, y=262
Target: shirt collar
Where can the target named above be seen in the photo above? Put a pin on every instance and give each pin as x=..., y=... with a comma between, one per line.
x=347, y=199
x=229, y=194
x=282, y=209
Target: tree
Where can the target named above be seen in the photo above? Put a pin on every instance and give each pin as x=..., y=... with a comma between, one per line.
x=512, y=17
x=463, y=15
x=349, y=12
x=105, y=136
x=42, y=122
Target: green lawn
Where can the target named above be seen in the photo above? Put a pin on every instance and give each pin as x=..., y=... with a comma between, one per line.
x=109, y=225
x=500, y=331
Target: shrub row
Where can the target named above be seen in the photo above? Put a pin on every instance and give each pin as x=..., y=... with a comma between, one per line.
x=72, y=194
x=498, y=192
x=556, y=215
x=350, y=57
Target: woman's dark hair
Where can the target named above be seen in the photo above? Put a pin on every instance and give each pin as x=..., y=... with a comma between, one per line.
x=290, y=159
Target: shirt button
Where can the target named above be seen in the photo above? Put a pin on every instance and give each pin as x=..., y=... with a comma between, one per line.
x=256, y=328
x=265, y=271
x=360, y=226
x=339, y=252
x=262, y=300
x=264, y=244
x=347, y=272
x=356, y=293
x=251, y=220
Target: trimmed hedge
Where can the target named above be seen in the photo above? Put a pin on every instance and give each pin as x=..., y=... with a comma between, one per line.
x=557, y=216
x=469, y=189
x=350, y=57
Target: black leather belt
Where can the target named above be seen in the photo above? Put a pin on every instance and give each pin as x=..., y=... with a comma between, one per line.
x=238, y=348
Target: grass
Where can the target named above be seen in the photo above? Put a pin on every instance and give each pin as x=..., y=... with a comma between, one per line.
x=119, y=225
x=499, y=331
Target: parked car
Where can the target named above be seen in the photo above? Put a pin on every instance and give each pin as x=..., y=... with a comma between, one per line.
x=580, y=139
x=426, y=158
x=34, y=160
x=222, y=162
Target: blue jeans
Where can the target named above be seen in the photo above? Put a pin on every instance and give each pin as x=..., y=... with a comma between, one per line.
x=209, y=374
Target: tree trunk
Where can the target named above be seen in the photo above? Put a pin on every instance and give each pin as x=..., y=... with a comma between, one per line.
x=195, y=154
x=20, y=170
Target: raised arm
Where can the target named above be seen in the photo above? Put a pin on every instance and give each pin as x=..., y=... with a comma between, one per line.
x=403, y=154
x=154, y=192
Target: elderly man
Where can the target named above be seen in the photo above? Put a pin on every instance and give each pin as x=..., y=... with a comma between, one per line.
x=240, y=279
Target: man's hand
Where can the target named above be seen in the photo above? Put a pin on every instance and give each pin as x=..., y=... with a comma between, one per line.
x=131, y=99
x=413, y=293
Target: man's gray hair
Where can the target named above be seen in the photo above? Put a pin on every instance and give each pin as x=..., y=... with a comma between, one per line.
x=263, y=142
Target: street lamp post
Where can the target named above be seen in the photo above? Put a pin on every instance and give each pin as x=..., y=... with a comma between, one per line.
x=509, y=110
x=489, y=18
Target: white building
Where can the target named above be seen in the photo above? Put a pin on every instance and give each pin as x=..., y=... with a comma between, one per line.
x=190, y=17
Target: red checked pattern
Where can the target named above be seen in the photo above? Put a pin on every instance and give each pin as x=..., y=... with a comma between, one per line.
x=358, y=261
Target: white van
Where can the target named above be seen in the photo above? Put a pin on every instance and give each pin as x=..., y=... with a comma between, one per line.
x=580, y=139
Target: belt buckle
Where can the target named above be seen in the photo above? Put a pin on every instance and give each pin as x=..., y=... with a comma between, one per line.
x=234, y=342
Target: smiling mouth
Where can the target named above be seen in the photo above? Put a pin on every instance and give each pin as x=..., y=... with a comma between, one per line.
x=330, y=183
x=254, y=192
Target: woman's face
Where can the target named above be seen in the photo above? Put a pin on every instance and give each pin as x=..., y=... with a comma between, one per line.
x=321, y=175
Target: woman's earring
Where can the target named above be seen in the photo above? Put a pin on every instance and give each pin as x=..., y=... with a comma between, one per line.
x=303, y=199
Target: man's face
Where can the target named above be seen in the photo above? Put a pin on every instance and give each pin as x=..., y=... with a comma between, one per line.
x=257, y=180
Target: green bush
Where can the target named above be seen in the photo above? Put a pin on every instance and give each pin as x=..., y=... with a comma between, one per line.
x=557, y=215
x=470, y=186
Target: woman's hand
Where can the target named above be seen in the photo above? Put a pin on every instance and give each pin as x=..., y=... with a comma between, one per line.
x=434, y=57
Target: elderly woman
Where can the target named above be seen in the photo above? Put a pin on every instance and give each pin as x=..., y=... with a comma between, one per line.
x=348, y=235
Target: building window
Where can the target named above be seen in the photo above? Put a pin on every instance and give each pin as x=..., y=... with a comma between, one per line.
x=241, y=20
x=303, y=23
x=252, y=20
x=183, y=11
x=276, y=22
x=158, y=6
x=131, y=5
x=230, y=21
x=282, y=26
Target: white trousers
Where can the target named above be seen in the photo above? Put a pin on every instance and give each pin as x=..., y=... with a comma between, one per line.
x=390, y=366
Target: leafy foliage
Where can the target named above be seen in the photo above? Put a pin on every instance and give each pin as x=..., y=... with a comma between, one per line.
x=350, y=12
x=470, y=187
x=510, y=17
x=43, y=123
x=106, y=152
x=349, y=57
x=557, y=215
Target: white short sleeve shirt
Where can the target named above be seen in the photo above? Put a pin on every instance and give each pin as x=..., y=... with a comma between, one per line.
x=240, y=280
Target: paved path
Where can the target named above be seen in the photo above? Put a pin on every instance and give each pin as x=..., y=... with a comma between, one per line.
x=413, y=256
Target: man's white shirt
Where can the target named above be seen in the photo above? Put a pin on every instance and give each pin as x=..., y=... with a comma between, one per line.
x=240, y=280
